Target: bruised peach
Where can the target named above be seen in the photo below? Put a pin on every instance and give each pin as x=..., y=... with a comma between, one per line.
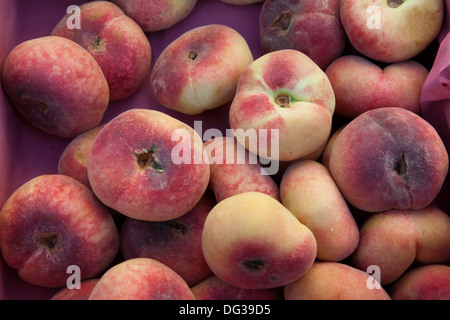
x=310, y=26
x=389, y=158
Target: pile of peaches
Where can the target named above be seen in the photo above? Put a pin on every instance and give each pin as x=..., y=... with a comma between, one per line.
x=147, y=208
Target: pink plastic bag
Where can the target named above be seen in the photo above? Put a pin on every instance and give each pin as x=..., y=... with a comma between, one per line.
x=435, y=100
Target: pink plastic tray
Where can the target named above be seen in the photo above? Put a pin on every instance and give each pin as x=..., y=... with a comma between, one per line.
x=26, y=153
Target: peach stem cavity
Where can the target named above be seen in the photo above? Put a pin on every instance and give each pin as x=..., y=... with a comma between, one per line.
x=401, y=167
x=179, y=227
x=283, y=100
x=148, y=159
x=192, y=55
x=253, y=265
x=50, y=241
x=395, y=3
x=282, y=21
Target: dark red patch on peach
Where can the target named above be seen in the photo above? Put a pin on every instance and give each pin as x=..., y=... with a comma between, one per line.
x=252, y=107
x=279, y=72
x=254, y=264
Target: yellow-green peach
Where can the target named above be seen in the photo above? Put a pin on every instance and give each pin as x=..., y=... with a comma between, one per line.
x=283, y=93
x=391, y=31
x=251, y=241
